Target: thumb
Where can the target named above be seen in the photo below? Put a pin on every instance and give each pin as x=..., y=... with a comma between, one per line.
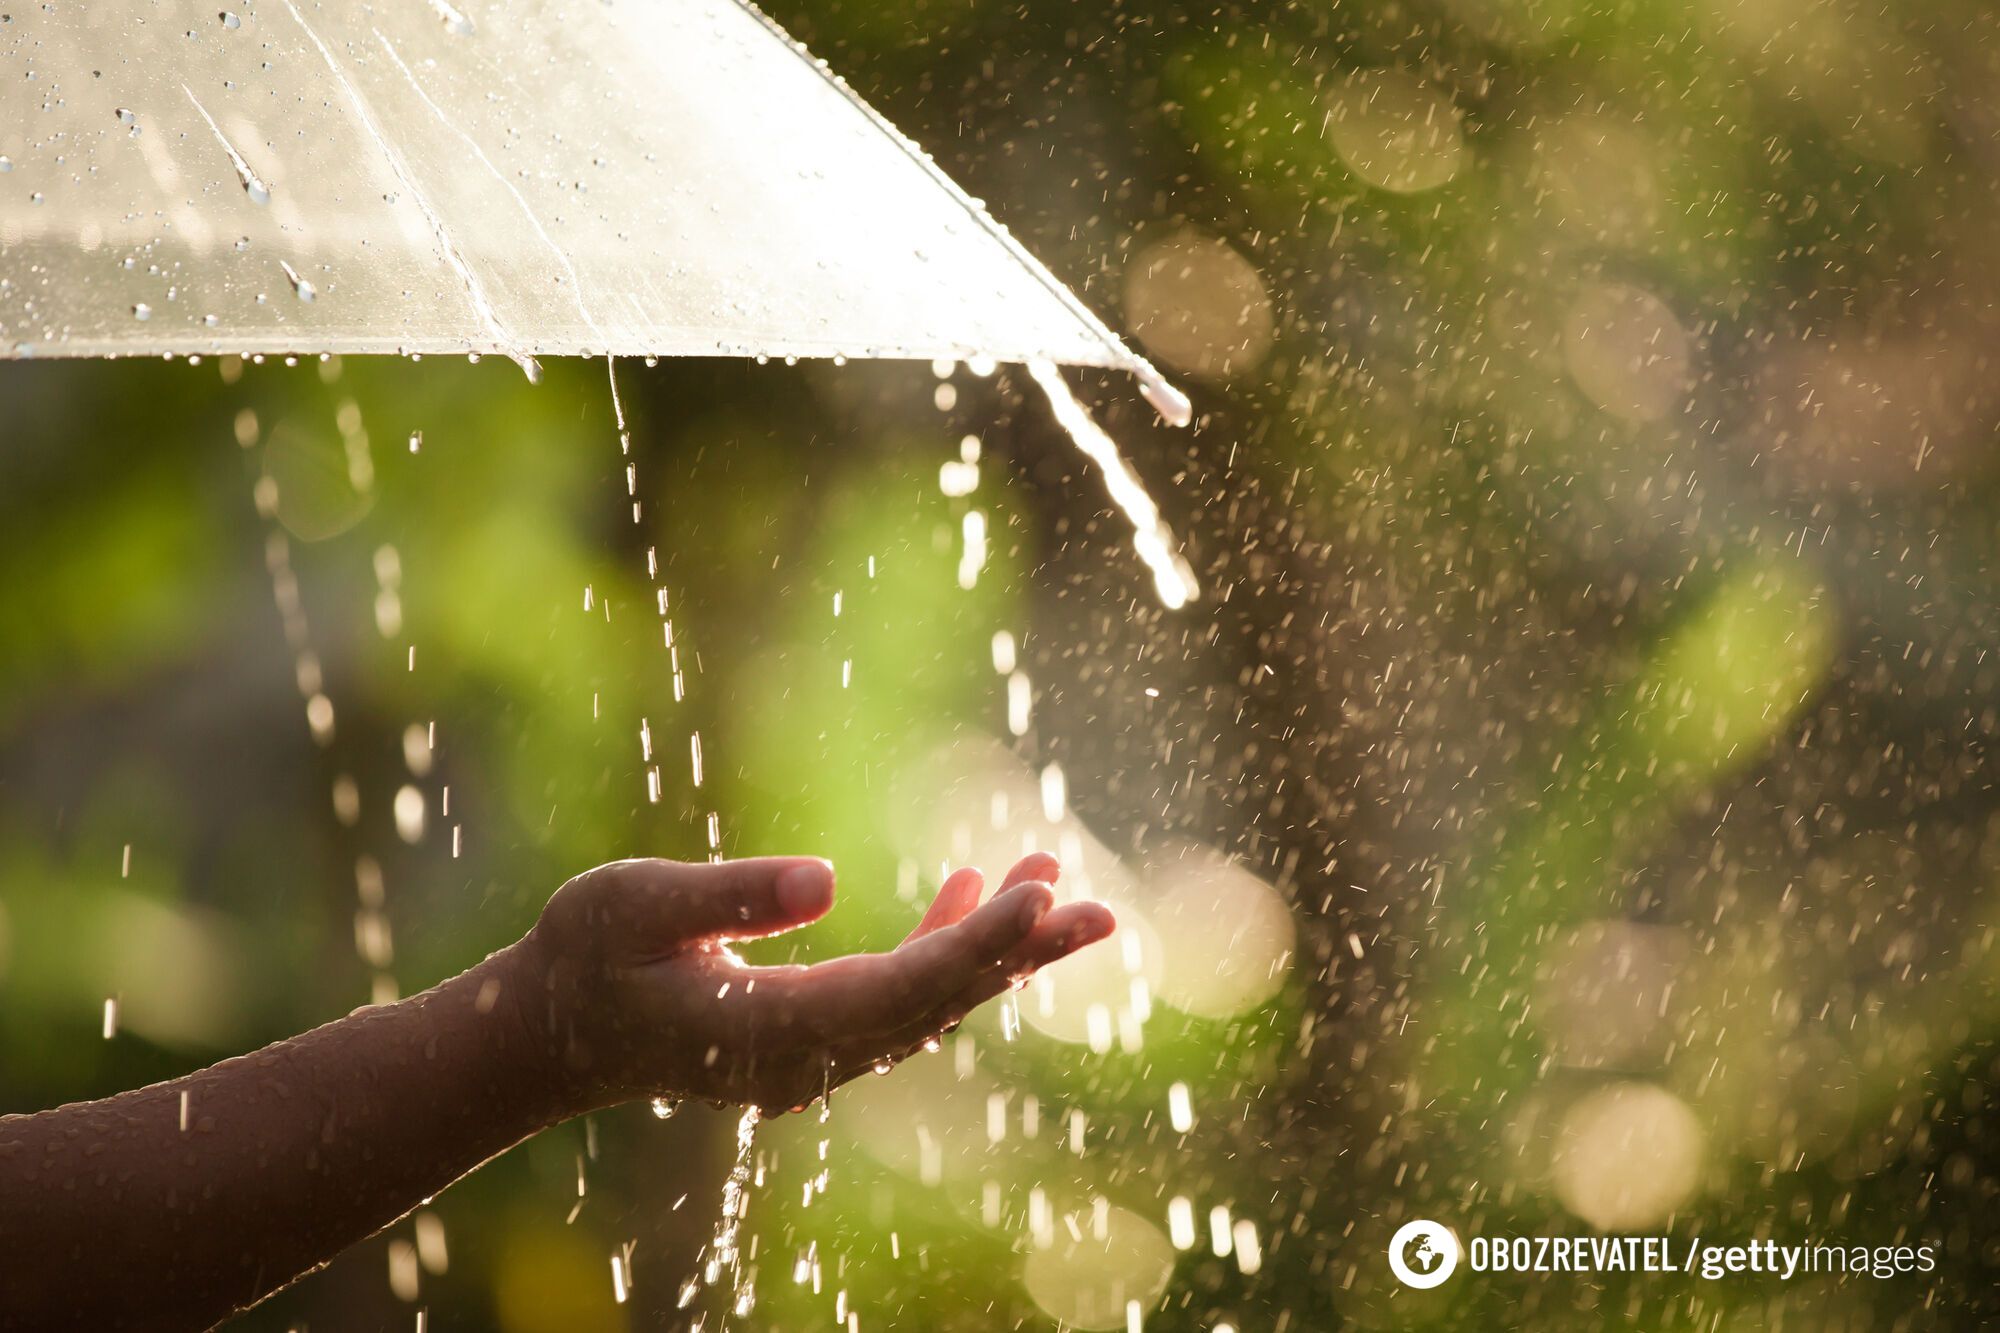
x=733, y=900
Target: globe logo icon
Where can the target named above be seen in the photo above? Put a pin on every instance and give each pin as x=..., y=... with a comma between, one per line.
x=1423, y=1253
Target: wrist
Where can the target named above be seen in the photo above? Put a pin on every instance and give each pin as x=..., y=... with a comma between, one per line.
x=560, y=1010
x=519, y=987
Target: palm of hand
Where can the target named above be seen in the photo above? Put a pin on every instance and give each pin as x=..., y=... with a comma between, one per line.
x=639, y=993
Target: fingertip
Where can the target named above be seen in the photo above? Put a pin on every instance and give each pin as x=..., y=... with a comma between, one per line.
x=1010, y=915
x=960, y=880
x=1074, y=926
x=1095, y=922
x=1038, y=866
x=958, y=895
x=805, y=889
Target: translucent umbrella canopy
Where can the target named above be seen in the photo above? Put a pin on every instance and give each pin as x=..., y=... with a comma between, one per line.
x=524, y=177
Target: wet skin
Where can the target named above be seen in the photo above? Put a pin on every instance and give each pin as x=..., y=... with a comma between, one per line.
x=175, y=1205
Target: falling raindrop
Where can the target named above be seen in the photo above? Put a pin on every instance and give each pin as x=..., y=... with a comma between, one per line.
x=1173, y=581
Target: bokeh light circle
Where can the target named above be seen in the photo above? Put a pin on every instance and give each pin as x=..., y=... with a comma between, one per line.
x=1396, y=133
x=1087, y=1281
x=1627, y=1156
x=1199, y=306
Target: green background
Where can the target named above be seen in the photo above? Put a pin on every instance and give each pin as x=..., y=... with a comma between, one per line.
x=1483, y=665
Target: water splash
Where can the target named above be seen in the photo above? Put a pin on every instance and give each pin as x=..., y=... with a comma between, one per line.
x=1155, y=543
x=724, y=1254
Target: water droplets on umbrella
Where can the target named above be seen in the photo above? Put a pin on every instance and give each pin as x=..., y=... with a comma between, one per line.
x=452, y=17
x=300, y=287
x=253, y=185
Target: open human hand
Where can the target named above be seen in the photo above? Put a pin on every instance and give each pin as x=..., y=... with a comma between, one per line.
x=631, y=987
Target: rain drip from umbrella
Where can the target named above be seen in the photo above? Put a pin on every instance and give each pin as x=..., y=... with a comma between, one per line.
x=1172, y=405
x=1154, y=541
x=663, y=601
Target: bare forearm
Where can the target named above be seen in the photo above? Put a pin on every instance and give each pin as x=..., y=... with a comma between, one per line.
x=173, y=1205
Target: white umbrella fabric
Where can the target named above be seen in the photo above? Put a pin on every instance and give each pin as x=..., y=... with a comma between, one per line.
x=520, y=177
x=525, y=177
